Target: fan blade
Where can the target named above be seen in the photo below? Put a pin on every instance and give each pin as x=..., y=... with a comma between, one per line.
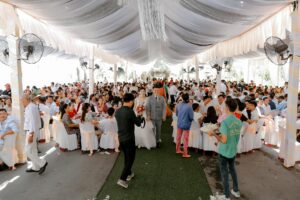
x=31, y=48
x=4, y=52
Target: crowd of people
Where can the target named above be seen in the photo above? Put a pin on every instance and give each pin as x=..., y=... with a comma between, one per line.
x=195, y=107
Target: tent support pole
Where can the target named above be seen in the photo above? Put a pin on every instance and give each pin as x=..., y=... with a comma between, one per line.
x=293, y=87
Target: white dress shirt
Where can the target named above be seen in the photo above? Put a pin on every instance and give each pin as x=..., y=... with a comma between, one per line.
x=32, y=122
x=173, y=90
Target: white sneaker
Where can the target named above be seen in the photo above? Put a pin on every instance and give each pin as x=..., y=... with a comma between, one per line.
x=107, y=153
x=235, y=194
x=122, y=183
x=130, y=177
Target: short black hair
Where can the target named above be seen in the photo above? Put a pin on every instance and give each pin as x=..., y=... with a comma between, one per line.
x=222, y=95
x=195, y=106
x=128, y=97
x=186, y=97
x=231, y=104
x=207, y=97
x=110, y=111
x=3, y=110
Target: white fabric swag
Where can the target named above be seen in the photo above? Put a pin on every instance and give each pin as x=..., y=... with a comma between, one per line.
x=191, y=26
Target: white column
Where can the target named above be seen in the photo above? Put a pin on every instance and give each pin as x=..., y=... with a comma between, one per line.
x=197, y=69
x=218, y=85
x=115, y=74
x=290, y=135
x=278, y=75
x=91, y=71
x=17, y=92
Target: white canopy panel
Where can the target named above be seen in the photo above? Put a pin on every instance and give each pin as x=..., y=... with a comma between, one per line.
x=191, y=26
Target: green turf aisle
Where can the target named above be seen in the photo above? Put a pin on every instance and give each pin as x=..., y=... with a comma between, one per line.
x=160, y=174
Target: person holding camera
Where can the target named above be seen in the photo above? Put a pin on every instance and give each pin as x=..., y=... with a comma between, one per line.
x=126, y=120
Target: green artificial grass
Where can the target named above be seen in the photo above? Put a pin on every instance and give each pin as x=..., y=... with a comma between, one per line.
x=159, y=174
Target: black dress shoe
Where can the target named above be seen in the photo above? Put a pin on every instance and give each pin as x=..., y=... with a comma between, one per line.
x=31, y=170
x=157, y=145
x=43, y=168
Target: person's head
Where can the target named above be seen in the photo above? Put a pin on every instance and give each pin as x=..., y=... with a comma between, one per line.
x=221, y=98
x=251, y=105
x=128, y=100
x=266, y=100
x=207, y=99
x=7, y=86
x=64, y=108
x=231, y=105
x=110, y=111
x=85, y=109
x=196, y=107
x=142, y=92
x=3, y=114
x=26, y=99
x=280, y=99
x=156, y=91
x=8, y=102
x=211, y=112
x=50, y=99
x=185, y=97
x=272, y=95
x=172, y=107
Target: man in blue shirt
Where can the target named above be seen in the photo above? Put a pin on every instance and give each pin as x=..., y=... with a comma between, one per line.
x=185, y=114
x=228, y=140
x=8, y=127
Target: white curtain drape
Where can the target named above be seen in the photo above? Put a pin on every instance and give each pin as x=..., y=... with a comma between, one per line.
x=191, y=26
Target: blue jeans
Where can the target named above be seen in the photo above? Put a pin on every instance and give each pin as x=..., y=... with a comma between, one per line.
x=228, y=165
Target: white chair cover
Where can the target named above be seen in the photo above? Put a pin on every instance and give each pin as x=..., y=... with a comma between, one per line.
x=249, y=137
x=89, y=140
x=269, y=131
x=64, y=140
x=9, y=153
x=45, y=132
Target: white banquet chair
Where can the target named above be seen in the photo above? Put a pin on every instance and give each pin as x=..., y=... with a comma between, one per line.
x=64, y=140
x=9, y=154
x=89, y=140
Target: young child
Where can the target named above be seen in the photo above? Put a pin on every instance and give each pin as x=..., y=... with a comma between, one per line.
x=174, y=122
x=109, y=138
x=195, y=134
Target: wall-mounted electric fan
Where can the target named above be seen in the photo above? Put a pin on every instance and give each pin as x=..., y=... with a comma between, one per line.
x=31, y=49
x=277, y=51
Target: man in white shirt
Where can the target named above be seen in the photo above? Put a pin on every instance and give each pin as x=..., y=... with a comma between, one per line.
x=52, y=106
x=207, y=102
x=173, y=92
x=32, y=124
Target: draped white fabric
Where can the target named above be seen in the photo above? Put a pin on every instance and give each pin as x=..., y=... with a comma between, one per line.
x=191, y=26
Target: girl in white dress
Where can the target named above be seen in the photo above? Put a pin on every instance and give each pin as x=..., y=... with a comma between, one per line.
x=144, y=136
x=250, y=126
x=109, y=138
x=174, y=122
x=196, y=136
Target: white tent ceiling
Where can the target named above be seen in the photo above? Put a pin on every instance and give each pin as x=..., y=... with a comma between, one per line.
x=191, y=26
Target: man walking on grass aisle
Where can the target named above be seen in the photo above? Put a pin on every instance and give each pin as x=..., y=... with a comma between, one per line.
x=228, y=140
x=126, y=120
x=156, y=112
